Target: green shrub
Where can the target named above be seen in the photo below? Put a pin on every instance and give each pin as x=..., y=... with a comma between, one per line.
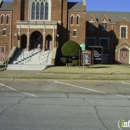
x=70, y=48
x=70, y=64
x=63, y=60
x=75, y=62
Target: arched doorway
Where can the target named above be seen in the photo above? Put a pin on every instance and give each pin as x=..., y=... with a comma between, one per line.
x=124, y=56
x=36, y=40
x=48, y=45
x=23, y=41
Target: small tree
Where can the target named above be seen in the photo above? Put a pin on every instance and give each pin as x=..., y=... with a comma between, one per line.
x=70, y=49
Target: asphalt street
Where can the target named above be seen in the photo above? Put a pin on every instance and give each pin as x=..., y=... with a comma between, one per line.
x=63, y=104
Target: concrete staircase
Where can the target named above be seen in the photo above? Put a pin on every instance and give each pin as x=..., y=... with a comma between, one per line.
x=30, y=60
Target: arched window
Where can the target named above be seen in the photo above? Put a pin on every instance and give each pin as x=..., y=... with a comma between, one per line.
x=37, y=11
x=7, y=19
x=72, y=20
x=33, y=11
x=42, y=11
x=77, y=19
x=46, y=11
x=2, y=19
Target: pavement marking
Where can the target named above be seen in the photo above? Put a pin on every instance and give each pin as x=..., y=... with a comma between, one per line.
x=79, y=87
x=18, y=90
x=125, y=83
x=29, y=94
x=8, y=87
x=119, y=95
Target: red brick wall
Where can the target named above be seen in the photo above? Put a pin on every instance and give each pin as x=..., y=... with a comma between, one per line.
x=5, y=40
x=81, y=28
x=16, y=16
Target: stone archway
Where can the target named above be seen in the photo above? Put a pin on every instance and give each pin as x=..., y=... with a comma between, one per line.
x=36, y=40
x=48, y=44
x=23, y=41
x=124, y=55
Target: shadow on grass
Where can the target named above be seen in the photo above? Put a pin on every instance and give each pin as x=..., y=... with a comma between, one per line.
x=98, y=67
x=2, y=66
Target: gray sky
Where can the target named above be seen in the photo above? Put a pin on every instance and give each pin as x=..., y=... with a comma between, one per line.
x=104, y=5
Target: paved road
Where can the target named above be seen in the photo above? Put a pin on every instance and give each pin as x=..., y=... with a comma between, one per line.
x=63, y=104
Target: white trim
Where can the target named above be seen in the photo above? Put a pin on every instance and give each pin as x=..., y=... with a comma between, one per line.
x=37, y=26
x=72, y=15
x=123, y=43
x=104, y=21
x=3, y=15
x=120, y=50
x=77, y=15
x=126, y=31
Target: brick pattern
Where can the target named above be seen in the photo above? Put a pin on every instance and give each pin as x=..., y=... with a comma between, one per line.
x=5, y=40
x=61, y=14
x=113, y=33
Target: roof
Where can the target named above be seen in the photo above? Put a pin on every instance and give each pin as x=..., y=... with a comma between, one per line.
x=75, y=5
x=113, y=16
x=6, y=6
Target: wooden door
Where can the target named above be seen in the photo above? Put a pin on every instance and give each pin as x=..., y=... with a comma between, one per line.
x=124, y=56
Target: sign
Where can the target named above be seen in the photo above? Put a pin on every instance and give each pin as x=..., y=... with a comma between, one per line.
x=83, y=46
x=97, y=53
x=86, y=60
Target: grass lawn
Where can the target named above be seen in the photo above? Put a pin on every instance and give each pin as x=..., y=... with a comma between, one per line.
x=95, y=72
x=95, y=69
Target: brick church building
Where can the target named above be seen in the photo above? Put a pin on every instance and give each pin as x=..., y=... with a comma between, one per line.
x=48, y=24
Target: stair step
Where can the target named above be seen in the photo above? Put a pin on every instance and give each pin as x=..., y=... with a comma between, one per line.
x=25, y=67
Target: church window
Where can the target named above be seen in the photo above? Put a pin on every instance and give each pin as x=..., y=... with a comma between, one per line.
x=74, y=32
x=2, y=19
x=72, y=19
x=33, y=11
x=40, y=9
x=46, y=10
x=7, y=19
x=77, y=19
x=4, y=32
x=37, y=11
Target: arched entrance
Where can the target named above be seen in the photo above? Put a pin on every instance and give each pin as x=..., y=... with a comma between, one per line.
x=124, y=56
x=23, y=41
x=36, y=40
x=48, y=45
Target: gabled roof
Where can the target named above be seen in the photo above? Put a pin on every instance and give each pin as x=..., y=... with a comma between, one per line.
x=6, y=6
x=112, y=16
x=75, y=5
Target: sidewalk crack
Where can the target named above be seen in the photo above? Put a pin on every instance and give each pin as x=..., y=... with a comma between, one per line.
x=12, y=105
x=100, y=118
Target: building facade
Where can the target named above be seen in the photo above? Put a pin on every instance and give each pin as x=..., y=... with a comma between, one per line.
x=48, y=24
